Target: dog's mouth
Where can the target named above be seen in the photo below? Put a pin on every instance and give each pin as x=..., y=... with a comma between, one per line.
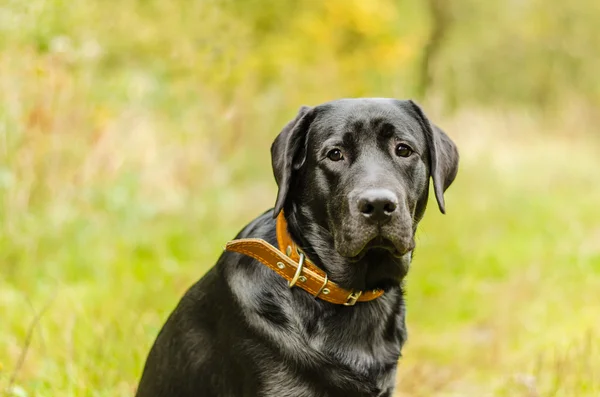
x=381, y=244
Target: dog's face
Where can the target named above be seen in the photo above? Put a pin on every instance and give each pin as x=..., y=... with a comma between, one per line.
x=356, y=172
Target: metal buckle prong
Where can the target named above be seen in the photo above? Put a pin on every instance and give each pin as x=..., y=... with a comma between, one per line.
x=322, y=287
x=353, y=298
x=298, y=272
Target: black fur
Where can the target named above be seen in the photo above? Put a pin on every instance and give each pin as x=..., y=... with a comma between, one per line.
x=240, y=331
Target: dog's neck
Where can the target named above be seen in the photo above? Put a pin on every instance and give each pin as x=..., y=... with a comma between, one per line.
x=385, y=333
x=317, y=242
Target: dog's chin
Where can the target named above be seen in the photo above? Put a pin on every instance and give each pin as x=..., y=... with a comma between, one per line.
x=384, y=263
x=378, y=246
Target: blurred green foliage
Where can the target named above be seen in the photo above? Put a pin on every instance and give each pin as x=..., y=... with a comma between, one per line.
x=134, y=141
x=530, y=52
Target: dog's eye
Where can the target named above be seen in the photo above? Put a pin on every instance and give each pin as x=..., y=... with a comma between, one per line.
x=403, y=150
x=335, y=155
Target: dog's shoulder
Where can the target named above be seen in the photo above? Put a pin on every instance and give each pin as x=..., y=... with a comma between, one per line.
x=211, y=295
x=232, y=264
x=197, y=345
x=263, y=226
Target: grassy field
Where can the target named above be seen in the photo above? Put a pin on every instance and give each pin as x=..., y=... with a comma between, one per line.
x=128, y=157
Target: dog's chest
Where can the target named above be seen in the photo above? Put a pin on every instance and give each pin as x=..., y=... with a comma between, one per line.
x=332, y=362
x=367, y=358
x=351, y=375
x=320, y=351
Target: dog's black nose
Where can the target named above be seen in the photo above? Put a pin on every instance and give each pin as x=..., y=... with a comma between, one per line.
x=377, y=205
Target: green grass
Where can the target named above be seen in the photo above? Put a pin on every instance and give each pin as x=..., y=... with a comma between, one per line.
x=130, y=152
x=503, y=293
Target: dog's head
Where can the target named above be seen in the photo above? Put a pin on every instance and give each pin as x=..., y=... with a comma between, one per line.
x=353, y=175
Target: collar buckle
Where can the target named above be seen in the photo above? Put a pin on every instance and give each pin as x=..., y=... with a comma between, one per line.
x=352, y=298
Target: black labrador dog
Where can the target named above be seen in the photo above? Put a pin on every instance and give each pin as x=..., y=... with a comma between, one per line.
x=353, y=178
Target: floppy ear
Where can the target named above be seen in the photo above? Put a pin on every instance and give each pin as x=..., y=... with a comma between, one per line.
x=286, y=153
x=443, y=156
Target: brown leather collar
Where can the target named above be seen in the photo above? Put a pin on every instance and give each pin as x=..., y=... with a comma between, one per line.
x=296, y=268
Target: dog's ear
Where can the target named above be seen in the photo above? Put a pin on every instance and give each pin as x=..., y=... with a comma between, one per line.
x=443, y=156
x=288, y=154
